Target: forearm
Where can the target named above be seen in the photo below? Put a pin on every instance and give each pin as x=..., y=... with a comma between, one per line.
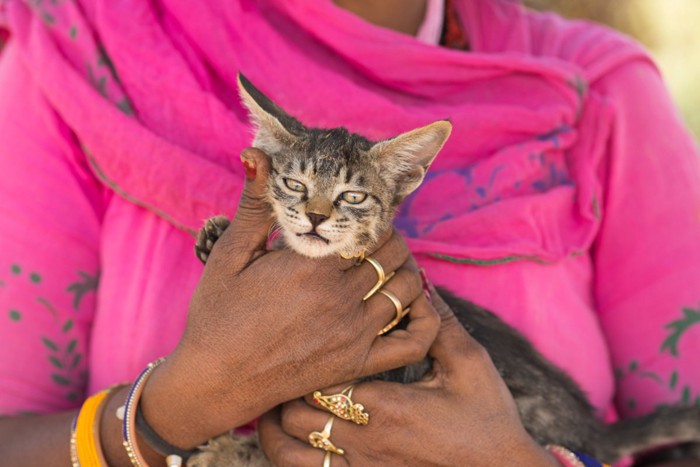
x=45, y=439
x=36, y=439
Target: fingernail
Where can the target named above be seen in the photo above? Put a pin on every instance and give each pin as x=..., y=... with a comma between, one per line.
x=251, y=170
x=426, y=285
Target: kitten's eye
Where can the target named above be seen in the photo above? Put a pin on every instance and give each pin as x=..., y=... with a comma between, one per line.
x=294, y=185
x=353, y=197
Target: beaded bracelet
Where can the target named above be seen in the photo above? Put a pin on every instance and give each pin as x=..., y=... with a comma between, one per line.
x=573, y=459
x=75, y=462
x=129, y=428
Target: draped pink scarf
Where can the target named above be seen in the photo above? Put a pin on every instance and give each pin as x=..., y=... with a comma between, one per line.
x=172, y=99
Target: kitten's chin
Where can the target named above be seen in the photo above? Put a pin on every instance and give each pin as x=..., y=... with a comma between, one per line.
x=311, y=246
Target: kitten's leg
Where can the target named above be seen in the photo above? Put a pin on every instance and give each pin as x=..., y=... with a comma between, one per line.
x=208, y=235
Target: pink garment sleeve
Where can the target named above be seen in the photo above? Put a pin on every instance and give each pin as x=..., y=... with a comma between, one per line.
x=647, y=256
x=49, y=233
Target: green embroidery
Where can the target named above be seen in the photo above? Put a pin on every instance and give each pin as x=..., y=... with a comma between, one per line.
x=485, y=262
x=15, y=315
x=679, y=327
x=633, y=366
x=73, y=32
x=35, y=278
x=125, y=106
x=674, y=380
x=653, y=376
x=16, y=269
x=48, y=306
x=685, y=397
x=80, y=288
x=595, y=207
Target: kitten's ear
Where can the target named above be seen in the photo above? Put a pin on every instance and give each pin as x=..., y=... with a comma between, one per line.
x=273, y=126
x=409, y=155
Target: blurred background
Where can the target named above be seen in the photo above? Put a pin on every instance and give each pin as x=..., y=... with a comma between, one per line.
x=670, y=29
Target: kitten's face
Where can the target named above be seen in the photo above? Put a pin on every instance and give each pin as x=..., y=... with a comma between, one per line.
x=334, y=192
x=329, y=195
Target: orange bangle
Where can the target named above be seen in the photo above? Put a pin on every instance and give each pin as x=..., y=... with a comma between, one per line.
x=87, y=429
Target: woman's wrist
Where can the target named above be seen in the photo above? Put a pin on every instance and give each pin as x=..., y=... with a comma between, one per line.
x=186, y=413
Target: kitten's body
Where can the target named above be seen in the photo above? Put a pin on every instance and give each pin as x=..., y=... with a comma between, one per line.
x=317, y=221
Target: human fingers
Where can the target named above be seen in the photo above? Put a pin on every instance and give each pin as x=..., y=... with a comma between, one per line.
x=453, y=342
x=393, y=300
x=378, y=265
x=245, y=238
x=285, y=450
x=403, y=347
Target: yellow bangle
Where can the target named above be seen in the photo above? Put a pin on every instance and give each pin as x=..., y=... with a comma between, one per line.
x=86, y=436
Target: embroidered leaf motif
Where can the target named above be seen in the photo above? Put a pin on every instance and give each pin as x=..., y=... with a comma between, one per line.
x=71, y=346
x=76, y=360
x=55, y=362
x=68, y=326
x=685, y=398
x=48, y=306
x=60, y=380
x=674, y=380
x=51, y=345
x=678, y=328
x=15, y=315
x=80, y=288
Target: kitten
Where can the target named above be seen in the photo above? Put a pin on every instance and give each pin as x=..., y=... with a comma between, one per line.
x=334, y=192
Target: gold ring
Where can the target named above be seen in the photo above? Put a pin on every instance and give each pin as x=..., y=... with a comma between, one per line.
x=400, y=312
x=342, y=406
x=382, y=278
x=321, y=440
x=358, y=258
x=327, y=459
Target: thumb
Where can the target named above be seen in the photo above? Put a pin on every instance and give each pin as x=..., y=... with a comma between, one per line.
x=245, y=238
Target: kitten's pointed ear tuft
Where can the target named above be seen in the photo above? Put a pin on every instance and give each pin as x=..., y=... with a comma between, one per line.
x=409, y=155
x=273, y=126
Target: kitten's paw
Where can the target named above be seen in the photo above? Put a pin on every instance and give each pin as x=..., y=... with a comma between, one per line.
x=208, y=235
x=230, y=450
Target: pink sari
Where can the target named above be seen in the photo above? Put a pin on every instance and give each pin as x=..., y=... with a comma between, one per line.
x=567, y=199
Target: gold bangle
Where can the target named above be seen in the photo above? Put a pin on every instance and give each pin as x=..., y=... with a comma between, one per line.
x=129, y=426
x=73, y=442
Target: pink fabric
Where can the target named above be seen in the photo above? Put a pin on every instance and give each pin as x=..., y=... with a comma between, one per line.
x=567, y=199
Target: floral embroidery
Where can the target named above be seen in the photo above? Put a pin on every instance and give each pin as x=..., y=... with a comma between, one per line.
x=678, y=328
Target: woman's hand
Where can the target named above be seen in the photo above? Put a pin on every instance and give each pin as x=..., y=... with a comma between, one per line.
x=265, y=327
x=460, y=414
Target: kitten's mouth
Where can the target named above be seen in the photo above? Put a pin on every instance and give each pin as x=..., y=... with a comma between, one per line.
x=314, y=236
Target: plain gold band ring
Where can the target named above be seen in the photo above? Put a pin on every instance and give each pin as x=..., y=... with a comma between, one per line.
x=382, y=278
x=400, y=312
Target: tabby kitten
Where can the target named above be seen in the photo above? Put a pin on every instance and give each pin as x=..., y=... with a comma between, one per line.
x=334, y=192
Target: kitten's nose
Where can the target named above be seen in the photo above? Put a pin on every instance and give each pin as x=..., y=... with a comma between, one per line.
x=316, y=218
